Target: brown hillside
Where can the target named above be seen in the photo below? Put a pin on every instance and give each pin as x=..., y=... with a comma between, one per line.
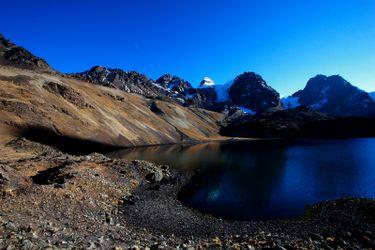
x=68, y=107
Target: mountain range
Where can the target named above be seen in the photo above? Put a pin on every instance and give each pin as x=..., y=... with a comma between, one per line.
x=248, y=92
x=127, y=108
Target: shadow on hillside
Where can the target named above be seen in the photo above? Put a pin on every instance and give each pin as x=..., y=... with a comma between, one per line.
x=66, y=144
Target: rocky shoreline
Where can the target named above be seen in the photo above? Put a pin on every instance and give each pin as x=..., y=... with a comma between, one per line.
x=53, y=200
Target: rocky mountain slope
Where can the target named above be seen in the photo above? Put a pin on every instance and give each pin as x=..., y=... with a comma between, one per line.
x=131, y=81
x=174, y=84
x=249, y=90
x=13, y=55
x=332, y=95
x=168, y=87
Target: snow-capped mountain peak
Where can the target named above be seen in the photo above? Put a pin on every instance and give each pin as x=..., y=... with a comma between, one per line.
x=207, y=82
x=332, y=95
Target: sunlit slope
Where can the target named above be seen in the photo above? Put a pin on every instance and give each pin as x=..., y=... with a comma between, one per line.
x=81, y=110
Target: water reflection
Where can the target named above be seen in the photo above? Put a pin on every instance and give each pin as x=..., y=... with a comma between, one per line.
x=245, y=182
x=267, y=179
x=180, y=157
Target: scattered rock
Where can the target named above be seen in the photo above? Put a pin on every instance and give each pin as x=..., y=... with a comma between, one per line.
x=154, y=177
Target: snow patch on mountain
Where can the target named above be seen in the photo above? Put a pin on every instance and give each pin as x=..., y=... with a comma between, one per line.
x=319, y=104
x=222, y=94
x=290, y=102
x=372, y=95
x=247, y=111
x=159, y=86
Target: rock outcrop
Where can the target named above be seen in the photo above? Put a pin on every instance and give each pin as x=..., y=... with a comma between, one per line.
x=128, y=81
x=13, y=55
x=249, y=90
x=177, y=89
x=175, y=84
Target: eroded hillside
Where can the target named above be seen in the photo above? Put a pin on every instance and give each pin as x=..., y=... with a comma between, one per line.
x=63, y=106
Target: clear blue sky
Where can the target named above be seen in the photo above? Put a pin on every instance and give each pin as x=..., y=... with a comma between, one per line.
x=287, y=42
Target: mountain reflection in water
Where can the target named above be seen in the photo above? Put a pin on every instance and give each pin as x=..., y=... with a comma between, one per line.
x=252, y=180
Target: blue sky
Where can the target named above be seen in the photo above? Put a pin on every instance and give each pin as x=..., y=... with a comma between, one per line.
x=287, y=42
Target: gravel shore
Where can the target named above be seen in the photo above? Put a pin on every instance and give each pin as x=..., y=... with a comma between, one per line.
x=52, y=200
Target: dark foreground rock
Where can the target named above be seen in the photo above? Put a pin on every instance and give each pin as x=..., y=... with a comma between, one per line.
x=52, y=200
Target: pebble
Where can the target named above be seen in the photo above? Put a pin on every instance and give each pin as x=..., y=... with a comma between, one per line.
x=27, y=245
x=216, y=242
x=109, y=220
x=10, y=226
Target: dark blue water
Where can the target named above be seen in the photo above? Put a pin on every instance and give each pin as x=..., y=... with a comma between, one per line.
x=268, y=180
